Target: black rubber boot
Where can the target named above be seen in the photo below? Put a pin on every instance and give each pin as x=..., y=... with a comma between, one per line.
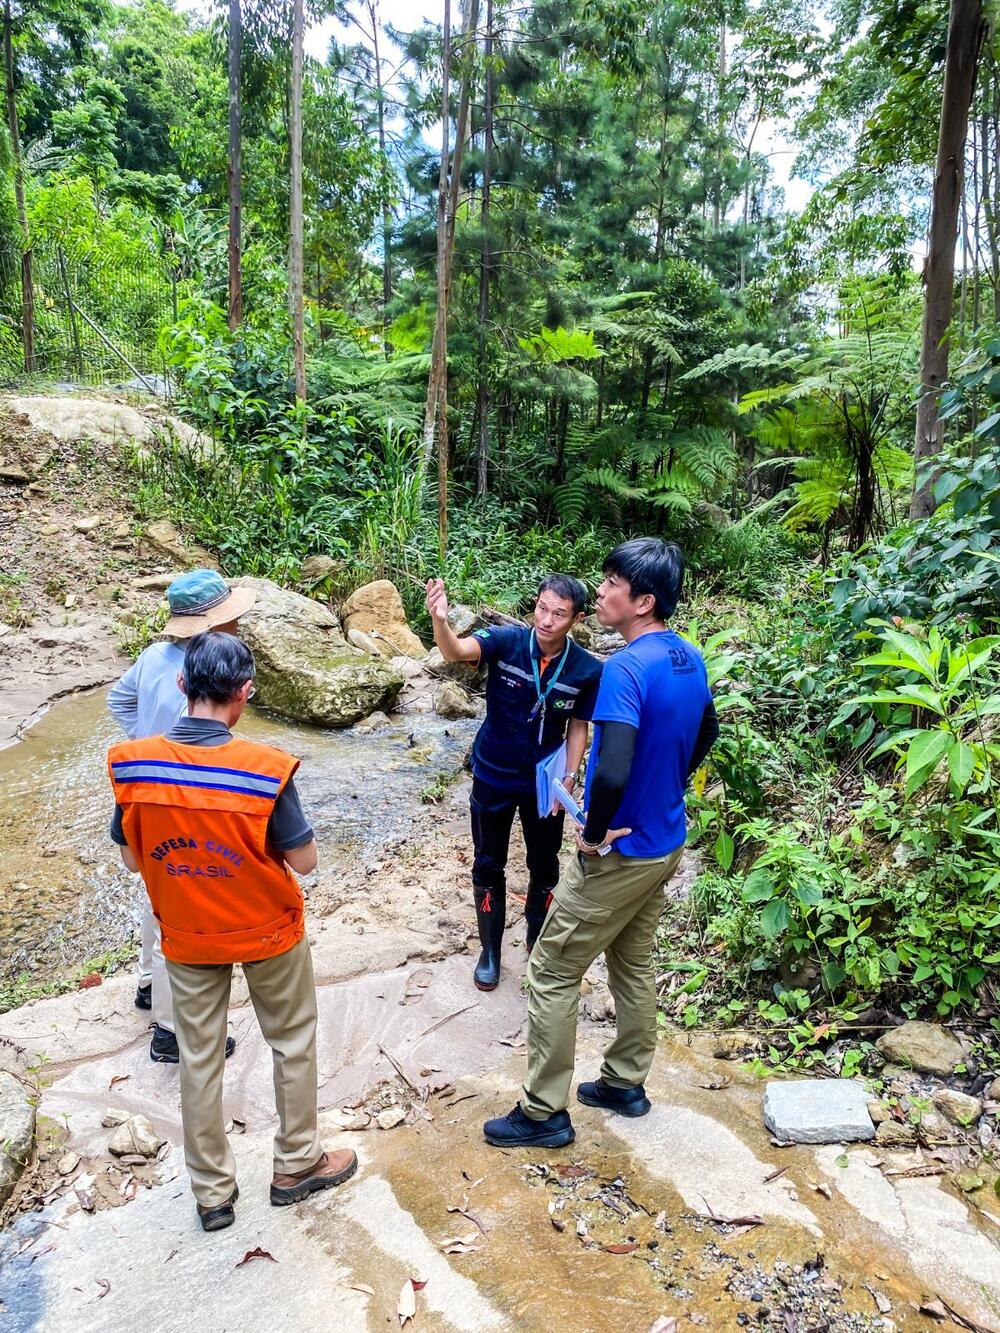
x=491, y=911
x=536, y=906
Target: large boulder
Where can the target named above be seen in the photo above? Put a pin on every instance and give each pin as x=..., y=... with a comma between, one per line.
x=377, y=610
x=450, y=700
x=926, y=1047
x=315, y=568
x=17, y=1132
x=466, y=673
x=306, y=669
x=162, y=541
x=463, y=620
x=107, y=423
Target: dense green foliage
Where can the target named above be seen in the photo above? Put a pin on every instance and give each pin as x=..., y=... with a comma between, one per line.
x=642, y=338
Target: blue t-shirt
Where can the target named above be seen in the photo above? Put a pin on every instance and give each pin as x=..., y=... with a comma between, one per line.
x=510, y=742
x=657, y=685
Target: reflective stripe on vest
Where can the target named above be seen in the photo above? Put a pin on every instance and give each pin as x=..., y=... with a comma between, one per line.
x=196, y=819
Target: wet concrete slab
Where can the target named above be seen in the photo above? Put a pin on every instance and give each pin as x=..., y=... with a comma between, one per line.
x=639, y=1202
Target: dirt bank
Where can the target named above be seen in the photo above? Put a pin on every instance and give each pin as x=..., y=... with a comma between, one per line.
x=69, y=556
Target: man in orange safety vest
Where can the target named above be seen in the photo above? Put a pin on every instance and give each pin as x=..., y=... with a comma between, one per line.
x=214, y=826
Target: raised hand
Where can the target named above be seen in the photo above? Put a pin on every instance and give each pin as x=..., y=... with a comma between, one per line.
x=437, y=600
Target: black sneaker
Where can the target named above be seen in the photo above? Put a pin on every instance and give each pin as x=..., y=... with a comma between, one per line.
x=516, y=1130
x=623, y=1101
x=144, y=996
x=163, y=1048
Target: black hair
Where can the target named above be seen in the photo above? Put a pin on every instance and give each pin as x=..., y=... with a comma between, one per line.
x=566, y=587
x=216, y=667
x=652, y=566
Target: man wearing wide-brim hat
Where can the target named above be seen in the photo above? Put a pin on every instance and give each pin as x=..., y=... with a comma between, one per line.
x=147, y=701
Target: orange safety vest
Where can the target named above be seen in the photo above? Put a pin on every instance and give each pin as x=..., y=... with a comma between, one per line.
x=195, y=816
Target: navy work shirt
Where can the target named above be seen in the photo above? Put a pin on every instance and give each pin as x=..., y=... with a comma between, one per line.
x=508, y=745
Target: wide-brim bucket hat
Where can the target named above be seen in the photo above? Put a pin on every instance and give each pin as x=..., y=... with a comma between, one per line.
x=200, y=600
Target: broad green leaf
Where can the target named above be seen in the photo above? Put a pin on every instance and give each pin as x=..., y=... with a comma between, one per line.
x=917, y=696
x=774, y=918
x=961, y=765
x=966, y=660
x=758, y=887
x=724, y=849
x=926, y=751
x=808, y=895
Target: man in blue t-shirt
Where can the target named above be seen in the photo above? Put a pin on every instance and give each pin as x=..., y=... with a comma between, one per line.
x=654, y=724
x=540, y=690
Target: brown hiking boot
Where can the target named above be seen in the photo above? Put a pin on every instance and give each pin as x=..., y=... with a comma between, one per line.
x=333, y=1168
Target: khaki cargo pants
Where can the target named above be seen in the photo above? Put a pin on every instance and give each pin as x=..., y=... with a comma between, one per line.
x=608, y=905
x=283, y=995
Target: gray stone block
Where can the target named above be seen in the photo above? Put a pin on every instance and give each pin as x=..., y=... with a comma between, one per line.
x=17, y=1132
x=818, y=1110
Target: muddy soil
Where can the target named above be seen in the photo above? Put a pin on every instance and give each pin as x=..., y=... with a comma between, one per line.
x=69, y=558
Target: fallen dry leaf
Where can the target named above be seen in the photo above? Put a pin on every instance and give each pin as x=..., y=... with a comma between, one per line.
x=104, y=1285
x=629, y=1248
x=939, y=1309
x=665, y=1324
x=470, y=1216
x=87, y=1201
x=118, y=1078
x=716, y=1083
x=698, y=1318
x=418, y=1283
x=406, y=1306
x=750, y=1220
x=359, y=1286
x=90, y=980
x=573, y=1172
x=257, y=1253
x=880, y=1298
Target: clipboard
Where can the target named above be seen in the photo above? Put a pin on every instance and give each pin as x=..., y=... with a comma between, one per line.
x=547, y=773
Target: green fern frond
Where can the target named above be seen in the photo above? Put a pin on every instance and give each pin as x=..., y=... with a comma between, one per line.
x=571, y=498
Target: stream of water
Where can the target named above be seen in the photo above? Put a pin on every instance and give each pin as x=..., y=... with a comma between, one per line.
x=64, y=895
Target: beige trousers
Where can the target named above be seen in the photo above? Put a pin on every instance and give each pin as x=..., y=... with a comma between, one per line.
x=283, y=994
x=153, y=968
x=608, y=905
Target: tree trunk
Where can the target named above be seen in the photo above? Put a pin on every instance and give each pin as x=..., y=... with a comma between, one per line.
x=461, y=130
x=27, y=280
x=720, y=130
x=386, y=210
x=436, y=409
x=296, y=275
x=234, y=171
x=485, y=265
x=965, y=27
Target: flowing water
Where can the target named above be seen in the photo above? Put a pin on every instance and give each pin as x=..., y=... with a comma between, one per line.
x=64, y=895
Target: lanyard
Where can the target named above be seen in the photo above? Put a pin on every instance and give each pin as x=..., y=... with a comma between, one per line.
x=539, y=708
